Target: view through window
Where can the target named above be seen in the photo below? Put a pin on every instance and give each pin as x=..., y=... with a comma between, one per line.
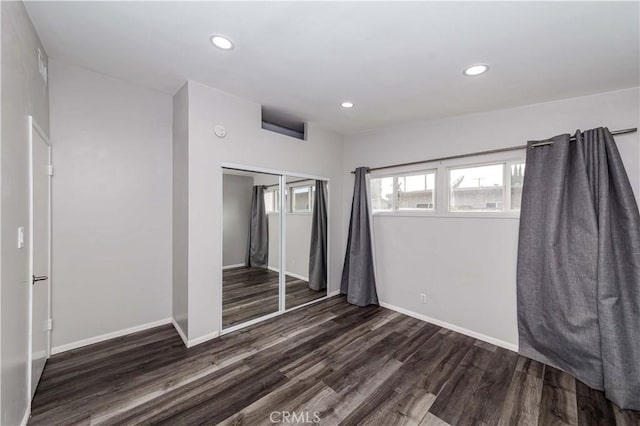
x=489, y=188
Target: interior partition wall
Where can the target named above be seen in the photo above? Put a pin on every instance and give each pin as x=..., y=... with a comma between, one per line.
x=247, y=290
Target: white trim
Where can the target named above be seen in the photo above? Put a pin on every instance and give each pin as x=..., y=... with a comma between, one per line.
x=250, y=323
x=459, y=215
x=27, y=414
x=33, y=126
x=282, y=175
x=511, y=346
x=237, y=265
x=298, y=276
x=311, y=302
x=193, y=342
x=282, y=242
x=291, y=274
x=30, y=276
x=107, y=336
x=180, y=332
x=274, y=314
x=237, y=166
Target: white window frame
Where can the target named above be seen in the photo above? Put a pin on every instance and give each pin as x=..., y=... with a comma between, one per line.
x=395, y=209
x=291, y=204
x=276, y=198
x=507, y=173
x=442, y=190
x=506, y=187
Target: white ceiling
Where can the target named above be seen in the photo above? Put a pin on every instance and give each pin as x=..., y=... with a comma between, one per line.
x=396, y=61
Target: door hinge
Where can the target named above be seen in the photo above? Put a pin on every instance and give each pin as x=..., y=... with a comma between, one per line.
x=50, y=170
x=49, y=324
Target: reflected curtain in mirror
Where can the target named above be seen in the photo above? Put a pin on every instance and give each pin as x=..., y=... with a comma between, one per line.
x=318, y=250
x=258, y=244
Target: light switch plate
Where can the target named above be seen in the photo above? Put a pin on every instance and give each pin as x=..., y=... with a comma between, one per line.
x=21, y=237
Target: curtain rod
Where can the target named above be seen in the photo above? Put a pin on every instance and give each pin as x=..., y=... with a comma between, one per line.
x=492, y=151
x=287, y=183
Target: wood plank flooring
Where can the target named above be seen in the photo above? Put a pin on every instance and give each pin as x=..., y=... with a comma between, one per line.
x=330, y=361
x=249, y=293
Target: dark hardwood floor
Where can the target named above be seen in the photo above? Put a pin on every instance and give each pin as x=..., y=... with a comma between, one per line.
x=249, y=293
x=350, y=365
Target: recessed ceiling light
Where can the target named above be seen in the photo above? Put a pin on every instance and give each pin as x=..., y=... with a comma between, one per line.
x=347, y=104
x=476, y=69
x=221, y=42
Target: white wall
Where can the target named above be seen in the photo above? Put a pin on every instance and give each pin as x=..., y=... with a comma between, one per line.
x=298, y=244
x=467, y=266
x=23, y=93
x=111, y=204
x=180, y=207
x=245, y=143
x=298, y=237
x=236, y=214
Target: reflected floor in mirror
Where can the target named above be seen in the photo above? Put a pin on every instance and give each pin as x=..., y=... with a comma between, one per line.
x=250, y=293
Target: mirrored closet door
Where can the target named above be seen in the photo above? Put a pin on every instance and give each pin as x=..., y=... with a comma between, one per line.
x=306, y=240
x=251, y=246
x=275, y=244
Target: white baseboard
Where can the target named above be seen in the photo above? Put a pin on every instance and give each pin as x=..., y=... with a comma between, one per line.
x=107, y=336
x=25, y=418
x=333, y=293
x=202, y=339
x=193, y=342
x=300, y=277
x=291, y=274
x=180, y=331
x=238, y=265
x=458, y=329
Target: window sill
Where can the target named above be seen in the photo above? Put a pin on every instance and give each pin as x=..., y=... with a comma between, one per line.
x=465, y=215
x=290, y=213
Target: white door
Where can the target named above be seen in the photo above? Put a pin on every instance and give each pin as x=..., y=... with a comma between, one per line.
x=39, y=254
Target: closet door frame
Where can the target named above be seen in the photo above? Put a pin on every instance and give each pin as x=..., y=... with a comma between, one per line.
x=282, y=175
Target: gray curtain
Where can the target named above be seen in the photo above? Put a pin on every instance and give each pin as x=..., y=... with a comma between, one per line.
x=579, y=264
x=258, y=244
x=318, y=251
x=358, y=274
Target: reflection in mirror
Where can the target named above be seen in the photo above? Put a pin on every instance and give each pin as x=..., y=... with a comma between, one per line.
x=306, y=241
x=251, y=242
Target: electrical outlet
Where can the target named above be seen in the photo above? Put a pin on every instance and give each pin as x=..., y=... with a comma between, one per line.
x=423, y=298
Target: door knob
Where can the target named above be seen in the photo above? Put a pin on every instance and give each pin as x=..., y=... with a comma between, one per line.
x=40, y=278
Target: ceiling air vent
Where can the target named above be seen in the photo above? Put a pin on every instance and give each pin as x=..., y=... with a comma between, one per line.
x=284, y=123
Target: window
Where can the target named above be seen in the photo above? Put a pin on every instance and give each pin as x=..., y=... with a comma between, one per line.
x=454, y=189
x=416, y=191
x=382, y=194
x=475, y=189
x=404, y=192
x=301, y=199
x=486, y=188
x=516, y=177
x=272, y=201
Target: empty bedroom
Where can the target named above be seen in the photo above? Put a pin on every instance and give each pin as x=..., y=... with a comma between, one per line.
x=306, y=212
